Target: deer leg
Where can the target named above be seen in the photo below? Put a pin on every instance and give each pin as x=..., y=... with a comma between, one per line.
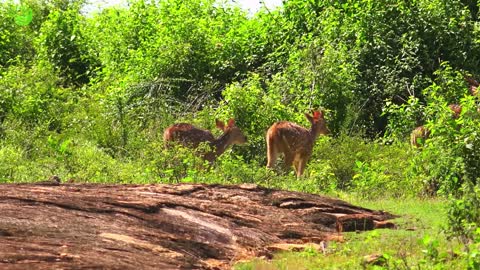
x=300, y=166
x=272, y=154
x=288, y=161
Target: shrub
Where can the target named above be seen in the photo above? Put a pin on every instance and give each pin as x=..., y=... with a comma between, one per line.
x=449, y=162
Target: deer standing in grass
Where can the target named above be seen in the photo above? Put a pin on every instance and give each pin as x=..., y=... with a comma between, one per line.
x=421, y=133
x=191, y=136
x=294, y=141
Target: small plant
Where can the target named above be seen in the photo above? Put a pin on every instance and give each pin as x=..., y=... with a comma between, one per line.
x=309, y=252
x=430, y=248
x=463, y=214
x=473, y=252
x=11, y=160
x=175, y=164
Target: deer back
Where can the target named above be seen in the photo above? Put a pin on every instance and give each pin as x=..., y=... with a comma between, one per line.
x=288, y=137
x=187, y=134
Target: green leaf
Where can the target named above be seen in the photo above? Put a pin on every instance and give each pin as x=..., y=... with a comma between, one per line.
x=23, y=16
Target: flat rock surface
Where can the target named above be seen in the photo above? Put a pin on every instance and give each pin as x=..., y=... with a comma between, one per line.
x=88, y=226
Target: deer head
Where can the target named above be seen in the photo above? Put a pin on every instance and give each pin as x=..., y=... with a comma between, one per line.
x=319, y=125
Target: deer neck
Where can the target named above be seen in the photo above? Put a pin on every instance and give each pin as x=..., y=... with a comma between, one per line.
x=314, y=135
x=221, y=144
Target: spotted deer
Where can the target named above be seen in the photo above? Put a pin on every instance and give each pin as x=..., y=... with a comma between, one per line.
x=472, y=85
x=294, y=141
x=191, y=136
x=473, y=88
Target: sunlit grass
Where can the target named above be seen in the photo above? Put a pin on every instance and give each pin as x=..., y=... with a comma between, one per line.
x=411, y=246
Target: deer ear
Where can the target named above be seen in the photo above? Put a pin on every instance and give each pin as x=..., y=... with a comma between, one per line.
x=317, y=115
x=220, y=125
x=309, y=117
x=231, y=122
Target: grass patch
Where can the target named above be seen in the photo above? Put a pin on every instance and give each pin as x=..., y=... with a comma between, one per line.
x=418, y=243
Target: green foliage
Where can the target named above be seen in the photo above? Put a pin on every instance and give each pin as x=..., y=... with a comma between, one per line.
x=60, y=42
x=243, y=101
x=152, y=64
x=11, y=164
x=320, y=76
x=176, y=164
x=87, y=96
x=449, y=162
x=431, y=248
x=403, y=118
x=453, y=142
x=15, y=32
x=192, y=42
x=463, y=214
x=31, y=96
x=448, y=158
x=24, y=16
x=385, y=170
x=473, y=251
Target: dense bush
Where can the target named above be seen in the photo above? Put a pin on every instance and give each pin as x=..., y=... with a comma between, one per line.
x=60, y=43
x=449, y=161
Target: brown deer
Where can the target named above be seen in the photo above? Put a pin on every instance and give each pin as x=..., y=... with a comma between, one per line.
x=294, y=141
x=191, y=136
x=421, y=133
x=472, y=85
x=456, y=109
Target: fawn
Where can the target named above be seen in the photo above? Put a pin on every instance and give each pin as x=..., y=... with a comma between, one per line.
x=294, y=141
x=191, y=136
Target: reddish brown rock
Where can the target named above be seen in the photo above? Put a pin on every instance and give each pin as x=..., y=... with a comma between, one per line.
x=72, y=226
